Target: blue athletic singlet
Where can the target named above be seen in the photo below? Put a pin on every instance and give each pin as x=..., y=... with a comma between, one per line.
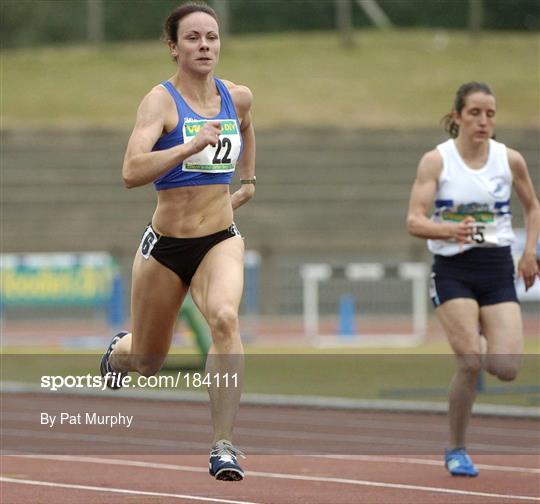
x=213, y=165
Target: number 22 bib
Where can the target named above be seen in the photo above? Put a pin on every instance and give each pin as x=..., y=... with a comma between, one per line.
x=220, y=158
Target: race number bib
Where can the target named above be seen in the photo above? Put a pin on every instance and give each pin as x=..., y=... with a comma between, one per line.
x=148, y=241
x=220, y=158
x=485, y=225
x=485, y=233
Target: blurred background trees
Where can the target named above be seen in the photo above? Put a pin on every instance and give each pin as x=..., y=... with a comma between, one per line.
x=35, y=22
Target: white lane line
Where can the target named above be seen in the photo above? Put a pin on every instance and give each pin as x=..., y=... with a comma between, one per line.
x=407, y=460
x=284, y=476
x=121, y=491
x=360, y=458
x=399, y=486
x=331, y=438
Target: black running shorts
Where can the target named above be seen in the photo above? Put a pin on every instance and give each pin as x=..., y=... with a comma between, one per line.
x=182, y=255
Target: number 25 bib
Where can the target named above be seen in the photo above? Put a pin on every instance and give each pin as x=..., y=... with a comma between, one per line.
x=485, y=233
x=485, y=226
x=220, y=158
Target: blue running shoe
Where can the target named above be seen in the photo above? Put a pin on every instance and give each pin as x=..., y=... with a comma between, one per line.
x=458, y=463
x=223, y=464
x=114, y=378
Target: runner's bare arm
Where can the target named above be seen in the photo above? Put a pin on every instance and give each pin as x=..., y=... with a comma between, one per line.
x=422, y=196
x=527, y=266
x=243, y=99
x=141, y=165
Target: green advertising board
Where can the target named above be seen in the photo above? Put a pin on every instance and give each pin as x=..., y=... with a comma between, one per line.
x=57, y=279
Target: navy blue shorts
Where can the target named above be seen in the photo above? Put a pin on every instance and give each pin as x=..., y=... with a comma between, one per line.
x=483, y=274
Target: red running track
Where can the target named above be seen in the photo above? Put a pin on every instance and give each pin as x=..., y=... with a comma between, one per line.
x=295, y=455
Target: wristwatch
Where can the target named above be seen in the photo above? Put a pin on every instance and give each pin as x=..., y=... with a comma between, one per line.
x=249, y=181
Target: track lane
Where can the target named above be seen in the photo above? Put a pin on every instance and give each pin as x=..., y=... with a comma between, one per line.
x=302, y=479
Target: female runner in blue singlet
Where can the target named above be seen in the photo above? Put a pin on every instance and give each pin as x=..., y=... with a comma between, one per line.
x=191, y=133
x=469, y=178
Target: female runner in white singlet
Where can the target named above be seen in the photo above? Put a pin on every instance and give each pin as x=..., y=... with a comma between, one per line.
x=470, y=179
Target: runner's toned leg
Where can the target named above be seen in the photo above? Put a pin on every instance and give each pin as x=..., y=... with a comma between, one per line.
x=503, y=328
x=216, y=289
x=460, y=320
x=157, y=294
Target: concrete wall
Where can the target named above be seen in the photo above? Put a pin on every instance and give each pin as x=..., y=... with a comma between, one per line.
x=320, y=195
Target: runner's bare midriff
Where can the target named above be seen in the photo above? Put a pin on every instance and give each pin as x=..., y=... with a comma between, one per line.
x=193, y=211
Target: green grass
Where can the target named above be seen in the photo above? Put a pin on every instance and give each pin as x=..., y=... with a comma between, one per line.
x=357, y=375
x=389, y=79
x=531, y=347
